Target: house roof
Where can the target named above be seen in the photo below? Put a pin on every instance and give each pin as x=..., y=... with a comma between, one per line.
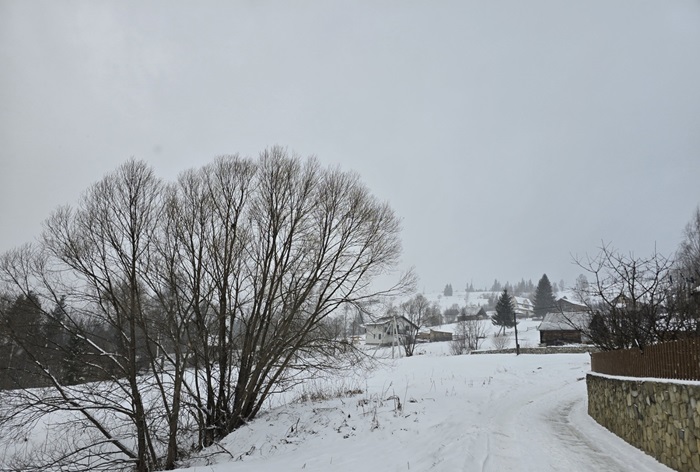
x=388, y=319
x=442, y=331
x=566, y=321
x=523, y=301
x=473, y=310
x=568, y=300
x=446, y=328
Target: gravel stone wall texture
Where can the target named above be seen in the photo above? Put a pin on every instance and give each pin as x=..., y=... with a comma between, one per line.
x=660, y=418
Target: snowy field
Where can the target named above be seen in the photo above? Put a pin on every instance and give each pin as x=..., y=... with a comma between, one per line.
x=528, y=335
x=432, y=412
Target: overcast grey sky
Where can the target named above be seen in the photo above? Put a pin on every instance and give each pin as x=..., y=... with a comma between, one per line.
x=507, y=134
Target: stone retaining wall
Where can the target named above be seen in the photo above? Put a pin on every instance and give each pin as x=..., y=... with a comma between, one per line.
x=660, y=418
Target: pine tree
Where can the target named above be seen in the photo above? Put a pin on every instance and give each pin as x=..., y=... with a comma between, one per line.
x=448, y=290
x=75, y=361
x=55, y=337
x=505, y=312
x=544, y=297
x=23, y=322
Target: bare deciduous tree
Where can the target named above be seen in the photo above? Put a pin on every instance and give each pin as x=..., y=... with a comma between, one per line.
x=628, y=299
x=97, y=254
x=688, y=255
x=318, y=239
x=468, y=336
x=189, y=304
x=686, y=278
x=416, y=311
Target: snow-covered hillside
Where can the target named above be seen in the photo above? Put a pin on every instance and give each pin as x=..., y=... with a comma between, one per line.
x=459, y=298
x=462, y=298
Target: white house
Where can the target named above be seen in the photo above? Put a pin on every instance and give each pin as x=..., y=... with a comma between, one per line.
x=523, y=307
x=389, y=329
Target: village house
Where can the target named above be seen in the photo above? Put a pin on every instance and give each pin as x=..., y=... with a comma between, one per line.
x=473, y=313
x=564, y=328
x=523, y=307
x=566, y=305
x=435, y=334
x=389, y=330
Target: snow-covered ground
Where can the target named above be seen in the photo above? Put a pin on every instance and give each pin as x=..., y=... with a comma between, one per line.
x=528, y=335
x=432, y=412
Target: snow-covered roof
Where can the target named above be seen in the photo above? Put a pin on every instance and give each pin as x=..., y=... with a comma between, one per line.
x=473, y=310
x=523, y=301
x=446, y=328
x=569, y=300
x=388, y=319
x=566, y=321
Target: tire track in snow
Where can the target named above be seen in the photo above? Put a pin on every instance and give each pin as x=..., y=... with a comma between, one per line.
x=492, y=448
x=548, y=430
x=577, y=445
x=572, y=426
x=575, y=442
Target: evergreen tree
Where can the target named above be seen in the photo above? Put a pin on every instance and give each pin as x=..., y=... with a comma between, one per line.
x=508, y=287
x=55, y=338
x=75, y=361
x=23, y=323
x=544, y=297
x=448, y=290
x=450, y=314
x=505, y=312
x=24, y=318
x=524, y=287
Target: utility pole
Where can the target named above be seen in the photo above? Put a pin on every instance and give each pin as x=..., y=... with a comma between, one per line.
x=517, y=345
x=394, y=335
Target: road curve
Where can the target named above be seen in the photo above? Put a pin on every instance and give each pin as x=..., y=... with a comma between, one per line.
x=552, y=432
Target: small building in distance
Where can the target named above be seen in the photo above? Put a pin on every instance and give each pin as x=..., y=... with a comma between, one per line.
x=565, y=305
x=523, y=307
x=473, y=313
x=564, y=328
x=439, y=335
x=389, y=330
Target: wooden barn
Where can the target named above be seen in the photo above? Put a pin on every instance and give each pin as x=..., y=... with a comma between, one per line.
x=566, y=305
x=438, y=336
x=564, y=328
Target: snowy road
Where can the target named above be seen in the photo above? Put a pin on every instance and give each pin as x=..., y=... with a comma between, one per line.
x=485, y=413
x=551, y=431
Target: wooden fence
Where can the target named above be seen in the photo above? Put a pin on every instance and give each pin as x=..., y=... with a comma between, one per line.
x=671, y=360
